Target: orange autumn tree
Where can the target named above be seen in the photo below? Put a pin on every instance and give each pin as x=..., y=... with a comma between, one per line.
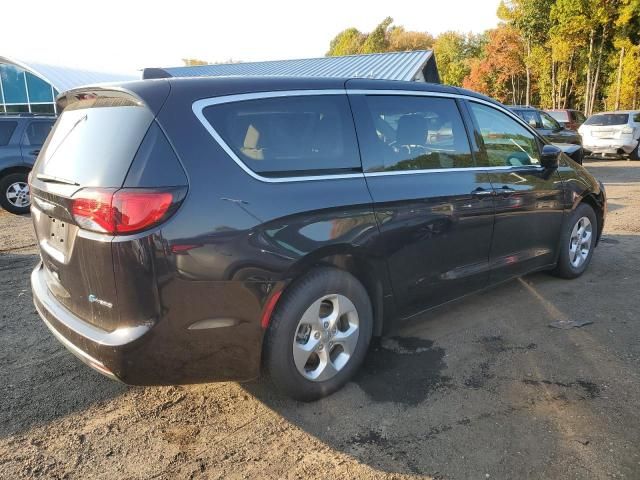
x=499, y=73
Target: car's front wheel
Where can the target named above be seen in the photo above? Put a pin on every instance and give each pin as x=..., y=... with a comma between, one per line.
x=14, y=193
x=318, y=335
x=577, y=242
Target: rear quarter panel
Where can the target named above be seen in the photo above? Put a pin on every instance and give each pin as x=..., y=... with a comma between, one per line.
x=236, y=239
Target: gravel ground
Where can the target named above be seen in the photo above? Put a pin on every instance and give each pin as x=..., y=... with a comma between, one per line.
x=481, y=388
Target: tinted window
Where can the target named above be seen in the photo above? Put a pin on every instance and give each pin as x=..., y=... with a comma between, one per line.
x=94, y=146
x=506, y=142
x=36, y=133
x=548, y=122
x=155, y=163
x=401, y=132
x=636, y=117
x=13, y=84
x=289, y=135
x=42, y=108
x=579, y=116
x=39, y=90
x=6, y=130
x=561, y=116
x=605, y=119
x=532, y=117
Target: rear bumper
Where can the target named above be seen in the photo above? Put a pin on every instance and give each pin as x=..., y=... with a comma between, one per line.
x=154, y=353
x=612, y=147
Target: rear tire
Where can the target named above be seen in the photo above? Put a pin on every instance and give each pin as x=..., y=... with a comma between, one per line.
x=577, y=243
x=14, y=193
x=635, y=154
x=319, y=334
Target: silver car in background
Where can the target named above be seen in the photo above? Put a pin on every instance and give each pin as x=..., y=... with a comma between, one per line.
x=616, y=133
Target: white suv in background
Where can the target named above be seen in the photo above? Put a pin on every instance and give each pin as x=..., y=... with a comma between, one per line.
x=612, y=133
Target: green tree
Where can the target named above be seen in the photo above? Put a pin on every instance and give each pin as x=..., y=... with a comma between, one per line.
x=454, y=52
x=377, y=40
x=383, y=38
x=347, y=42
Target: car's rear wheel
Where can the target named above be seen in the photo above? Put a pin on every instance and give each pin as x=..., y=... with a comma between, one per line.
x=577, y=242
x=14, y=193
x=318, y=335
x=635, y=154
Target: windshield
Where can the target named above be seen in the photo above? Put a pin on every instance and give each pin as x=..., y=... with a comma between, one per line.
x=606, y=119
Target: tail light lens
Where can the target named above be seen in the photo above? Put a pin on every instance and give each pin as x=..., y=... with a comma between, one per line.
x=124, y=211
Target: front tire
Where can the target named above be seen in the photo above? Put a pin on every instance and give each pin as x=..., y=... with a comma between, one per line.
x=319, y=334
x=14, y=193
x=577, y=243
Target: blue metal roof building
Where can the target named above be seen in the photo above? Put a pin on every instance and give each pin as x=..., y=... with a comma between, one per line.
x=418, y=65
x=32, y=87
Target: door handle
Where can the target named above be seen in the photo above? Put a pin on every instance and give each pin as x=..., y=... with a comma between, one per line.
x=35, y=152
x=481, y=192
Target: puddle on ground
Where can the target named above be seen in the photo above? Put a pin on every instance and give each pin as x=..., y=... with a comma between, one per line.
x=403, y=370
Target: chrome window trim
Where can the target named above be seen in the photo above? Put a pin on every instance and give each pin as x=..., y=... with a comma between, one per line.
x=199, y=105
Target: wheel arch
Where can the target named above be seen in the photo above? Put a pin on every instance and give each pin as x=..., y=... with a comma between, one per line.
x=14, y=169
x=597, y=204
x=369, y=272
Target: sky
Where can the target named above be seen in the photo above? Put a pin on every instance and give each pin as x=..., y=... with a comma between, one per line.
x=125, y=36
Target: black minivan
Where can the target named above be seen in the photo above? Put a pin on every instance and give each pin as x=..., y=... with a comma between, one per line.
x=206, y=229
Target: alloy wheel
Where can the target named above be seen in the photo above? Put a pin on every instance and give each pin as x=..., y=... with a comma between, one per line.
x=580, y=242
x=18, y=194
x=326, y=337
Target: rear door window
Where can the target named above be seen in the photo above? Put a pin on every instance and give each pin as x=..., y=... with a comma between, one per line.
x=289, y=136
x=6, y=130
x=36, y=133
x=404, y=132
x=506, y=142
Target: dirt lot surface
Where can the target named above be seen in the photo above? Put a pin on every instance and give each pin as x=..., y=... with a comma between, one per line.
x=479, y=389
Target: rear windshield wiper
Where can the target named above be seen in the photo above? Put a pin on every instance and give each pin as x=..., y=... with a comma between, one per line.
x=51, y=179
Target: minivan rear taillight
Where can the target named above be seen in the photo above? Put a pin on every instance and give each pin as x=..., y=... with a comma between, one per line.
x=124, y=211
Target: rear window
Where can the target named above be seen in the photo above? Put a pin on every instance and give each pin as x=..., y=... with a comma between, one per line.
x=286, y=136
x=562, y=116
x=6, y=130
x=606, y=119
x=94, y=145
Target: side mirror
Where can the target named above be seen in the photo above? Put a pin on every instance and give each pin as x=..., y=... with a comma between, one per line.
x=550, y=156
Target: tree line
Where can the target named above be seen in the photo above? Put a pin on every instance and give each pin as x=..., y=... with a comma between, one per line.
x=582, y=54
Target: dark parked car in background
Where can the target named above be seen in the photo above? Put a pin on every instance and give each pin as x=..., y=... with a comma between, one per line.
x=552, y=130
x=279, y=224
x=568, y=118
x=21, y=137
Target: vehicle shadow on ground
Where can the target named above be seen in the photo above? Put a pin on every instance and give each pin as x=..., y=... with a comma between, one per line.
x=41, y=381
x=402, y=377
x=415, y=400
